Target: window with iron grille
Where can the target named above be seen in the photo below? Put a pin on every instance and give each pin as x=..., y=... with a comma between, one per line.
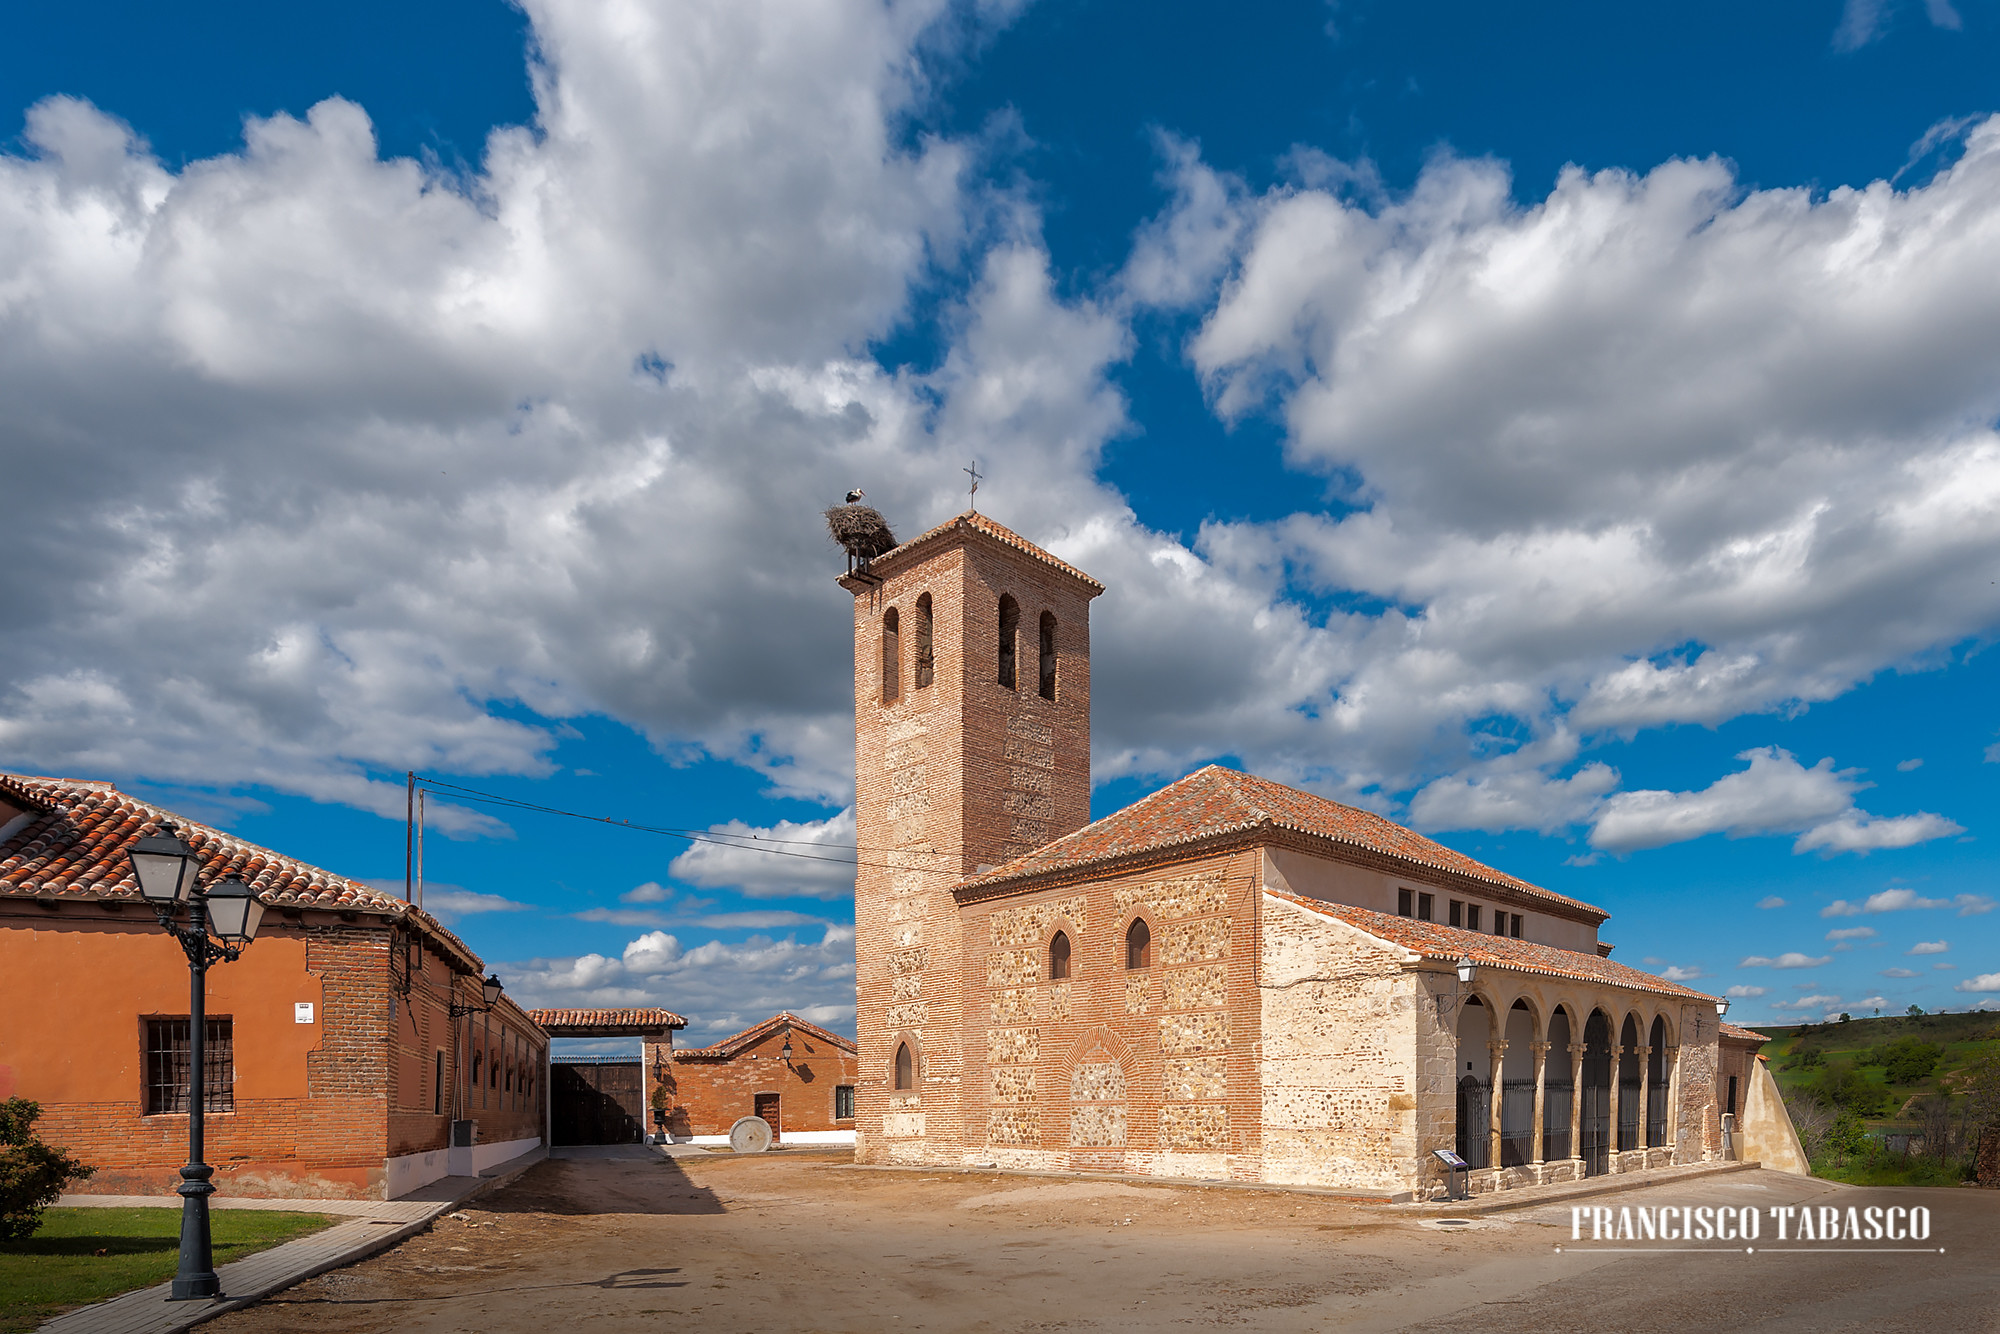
x=843, y=1102
x=169, y=1060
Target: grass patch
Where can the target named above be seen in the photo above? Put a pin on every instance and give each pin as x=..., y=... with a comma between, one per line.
x=79, y=1256
x=1893, y=1169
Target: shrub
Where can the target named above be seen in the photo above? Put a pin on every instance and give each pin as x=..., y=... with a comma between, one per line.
x=1909, y=1060
x=32, y=1174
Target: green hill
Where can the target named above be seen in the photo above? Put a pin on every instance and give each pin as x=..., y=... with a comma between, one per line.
x=1856, y=1087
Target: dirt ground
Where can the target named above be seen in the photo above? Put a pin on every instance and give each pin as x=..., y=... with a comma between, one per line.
x=786, y=1241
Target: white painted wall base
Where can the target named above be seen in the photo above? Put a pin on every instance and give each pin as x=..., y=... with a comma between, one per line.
x=413, y=1171
x=485, y=1156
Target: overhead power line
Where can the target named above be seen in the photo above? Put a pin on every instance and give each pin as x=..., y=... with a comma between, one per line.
x=742, y=842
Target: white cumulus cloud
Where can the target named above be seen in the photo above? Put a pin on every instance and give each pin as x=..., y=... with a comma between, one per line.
x=1790, y=959
x=1983, y=982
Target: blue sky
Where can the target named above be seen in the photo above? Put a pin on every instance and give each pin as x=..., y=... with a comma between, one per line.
x=1568, y=430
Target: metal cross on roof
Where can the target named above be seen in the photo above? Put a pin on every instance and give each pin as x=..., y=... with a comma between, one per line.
x=973, y=472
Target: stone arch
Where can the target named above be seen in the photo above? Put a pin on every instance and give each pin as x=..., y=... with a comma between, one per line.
x=1631, y=1035
x=1059, y=953
x=1472, y=1076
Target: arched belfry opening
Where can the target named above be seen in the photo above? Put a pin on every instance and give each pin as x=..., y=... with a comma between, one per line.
x=1047, y=688
x=1010, y=631
x=892, y=658
x=924, y=668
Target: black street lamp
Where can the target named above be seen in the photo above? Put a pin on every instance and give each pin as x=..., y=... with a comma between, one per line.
x=219, y=923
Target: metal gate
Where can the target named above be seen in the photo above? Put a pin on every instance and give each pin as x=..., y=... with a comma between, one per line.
x=1475, y=1112
x=1595, y=1132
x=598, y=1102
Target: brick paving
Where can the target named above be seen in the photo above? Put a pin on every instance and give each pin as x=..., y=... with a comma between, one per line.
x=374, y=1225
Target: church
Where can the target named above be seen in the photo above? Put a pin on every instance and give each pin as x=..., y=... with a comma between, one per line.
x=1229, y=979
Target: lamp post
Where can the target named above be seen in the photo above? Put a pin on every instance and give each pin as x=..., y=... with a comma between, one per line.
x=218, y=923
x=785, y=1052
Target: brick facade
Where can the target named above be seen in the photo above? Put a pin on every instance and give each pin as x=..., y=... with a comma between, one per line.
x=705, y=1091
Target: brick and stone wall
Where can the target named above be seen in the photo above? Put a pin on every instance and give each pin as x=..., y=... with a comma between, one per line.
x=1150, y=1070
x=950, y=777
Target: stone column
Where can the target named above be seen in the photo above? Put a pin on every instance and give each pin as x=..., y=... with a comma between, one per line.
x=1498, y=1048
x=1670, y=1061
x=1576, y=1051
x=1541, y=1050
x=1617, y=1087
x=1645, y=1054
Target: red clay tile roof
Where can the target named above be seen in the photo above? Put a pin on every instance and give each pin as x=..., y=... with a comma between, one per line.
x=1435, y=941
x=74, y=848
x=636, y=1023
x=978, y=523
x=728, y=1047
x=1213, y=802
x=1742, y=1034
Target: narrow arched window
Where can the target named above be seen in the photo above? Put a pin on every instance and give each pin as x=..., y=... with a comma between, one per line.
x=892, y=657
x=906, y=1067
x=925, y=666
x=1010, y=627
x=1059, y=957
x=1138, y=944
x=1048, y=687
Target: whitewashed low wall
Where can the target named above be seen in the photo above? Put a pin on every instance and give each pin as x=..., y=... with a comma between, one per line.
x=413, y=1171
x=794, y=1137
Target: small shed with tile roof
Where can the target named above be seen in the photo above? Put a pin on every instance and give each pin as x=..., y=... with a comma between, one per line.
x=335, y=1065
x=795, y=1074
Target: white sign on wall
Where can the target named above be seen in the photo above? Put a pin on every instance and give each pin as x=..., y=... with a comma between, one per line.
x=302, y=1012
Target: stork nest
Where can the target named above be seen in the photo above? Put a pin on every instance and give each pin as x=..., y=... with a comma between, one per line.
x=861, y=530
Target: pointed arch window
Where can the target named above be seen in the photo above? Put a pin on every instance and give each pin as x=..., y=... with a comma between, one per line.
x=1059, y=957
x=1048, y=682
x=1010, y=629
x=1138, y=944
x=892, y=657
x=906, y=1067
x=925, y=668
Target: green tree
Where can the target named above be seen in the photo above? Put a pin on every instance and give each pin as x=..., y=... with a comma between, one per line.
x=1915, y=1012
x=1908, y=1060
x=32, y=1174
x=1848, y=1135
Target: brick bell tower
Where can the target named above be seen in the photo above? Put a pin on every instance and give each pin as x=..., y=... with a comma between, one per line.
x=971, y=747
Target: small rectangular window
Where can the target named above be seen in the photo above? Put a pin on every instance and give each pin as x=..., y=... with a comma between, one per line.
x=1472, y=914
x=437, y=1085
x=170, y=1061
x=1457, y=913
x=1405, y=905
x=1424, y=910
x=1731, y=1107
x=1515, y=930
x=1499, y=922
x=843, y=1102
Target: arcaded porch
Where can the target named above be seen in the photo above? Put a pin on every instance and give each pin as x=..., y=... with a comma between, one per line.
x=1551, y=1085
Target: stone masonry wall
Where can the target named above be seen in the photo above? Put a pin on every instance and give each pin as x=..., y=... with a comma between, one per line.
x=1339, y=1072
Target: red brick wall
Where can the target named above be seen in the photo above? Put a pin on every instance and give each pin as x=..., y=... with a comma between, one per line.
x=950, y=777
x=706, y=1097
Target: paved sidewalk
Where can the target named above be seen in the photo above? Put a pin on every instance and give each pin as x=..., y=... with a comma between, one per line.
x=375, y=1225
